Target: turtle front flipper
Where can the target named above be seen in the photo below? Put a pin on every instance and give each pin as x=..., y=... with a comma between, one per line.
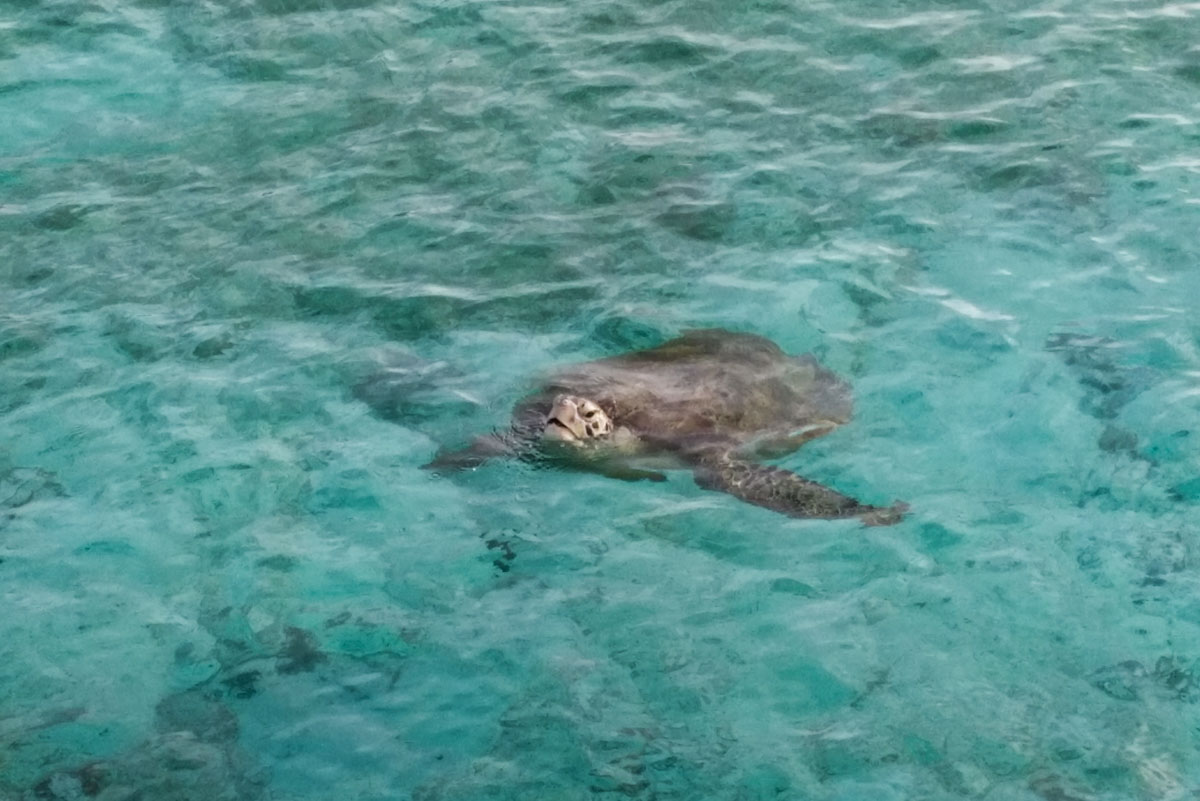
x=624, y=472
x=492, y=446
x=787, y=493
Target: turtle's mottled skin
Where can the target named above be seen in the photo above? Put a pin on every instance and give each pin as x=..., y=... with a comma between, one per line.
x=713, y=401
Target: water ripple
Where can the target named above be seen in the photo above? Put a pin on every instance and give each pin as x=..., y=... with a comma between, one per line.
x=259, y=259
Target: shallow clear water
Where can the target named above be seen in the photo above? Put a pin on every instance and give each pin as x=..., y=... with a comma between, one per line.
x=258, y=259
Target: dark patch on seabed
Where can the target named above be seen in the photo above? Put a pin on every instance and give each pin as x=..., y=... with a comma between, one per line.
x=20, y=486
x=1108, y=386
x=191, y=756
x=194, y=752
x=1170, y=678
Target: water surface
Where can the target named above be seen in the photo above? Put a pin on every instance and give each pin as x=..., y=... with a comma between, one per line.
x=259, y=259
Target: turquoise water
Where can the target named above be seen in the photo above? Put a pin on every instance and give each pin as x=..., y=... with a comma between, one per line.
x=258, y=260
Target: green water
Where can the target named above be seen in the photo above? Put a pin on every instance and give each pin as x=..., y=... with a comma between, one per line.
x=259, y=260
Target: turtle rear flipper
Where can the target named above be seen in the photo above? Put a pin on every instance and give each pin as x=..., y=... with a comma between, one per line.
x=787, y=493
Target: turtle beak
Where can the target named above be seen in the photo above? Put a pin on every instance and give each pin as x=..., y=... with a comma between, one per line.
x=557, y=429
x=563, y=422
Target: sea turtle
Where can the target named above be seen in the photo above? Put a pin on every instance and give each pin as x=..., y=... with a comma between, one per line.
x=712, y=401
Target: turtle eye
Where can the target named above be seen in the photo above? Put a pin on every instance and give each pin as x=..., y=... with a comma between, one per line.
x=590, y=413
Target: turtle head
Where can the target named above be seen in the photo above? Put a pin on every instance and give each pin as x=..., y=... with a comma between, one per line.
x=576, y=420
